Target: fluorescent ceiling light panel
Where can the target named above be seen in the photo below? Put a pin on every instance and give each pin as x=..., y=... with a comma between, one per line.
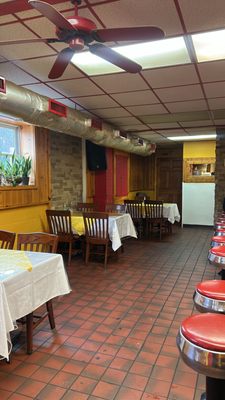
x=209, y=46
x=149, y=55
x=194, y=137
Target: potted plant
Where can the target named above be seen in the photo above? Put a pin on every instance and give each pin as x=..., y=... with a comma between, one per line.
x=11, y=170
x=26, y=164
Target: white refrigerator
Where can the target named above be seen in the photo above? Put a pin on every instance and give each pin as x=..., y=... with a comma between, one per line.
x=198, y=200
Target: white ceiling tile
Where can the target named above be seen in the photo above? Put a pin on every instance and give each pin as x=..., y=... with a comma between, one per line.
x=122, y=120
x=75, y=88
x=111, y=112
x=135, y=127
x=15, y=31
x=206, y=130
x=42, y=26
x=171, y=76
x=40, y=68
x=175, y=132
x=44, y=90
x=15, y=74
x=179, y=93
x=4, y=19
x=117, y=83
x=193, y=105
x=219, y=121
x=147, y=109
x=216, y=89
x=195, y=123
x=95, y=102
x=212, y=71
x=214, y=104
x=136, y=98
x=155, y=13
x=203, y=15
x=164, y=126
x=68, y=103
x=23, y=51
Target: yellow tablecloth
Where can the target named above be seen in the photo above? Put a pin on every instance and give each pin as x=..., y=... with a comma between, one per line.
x=78, y=224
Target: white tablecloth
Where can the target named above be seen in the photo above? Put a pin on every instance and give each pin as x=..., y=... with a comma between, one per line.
x=119, y=227
x=171, y=212
x=22, y=291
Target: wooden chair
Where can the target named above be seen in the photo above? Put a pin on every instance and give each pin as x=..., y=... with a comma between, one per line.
x=154, y=217
x=96, y=234
x=7, y=239
x=115, y=208
x=135, y=209
x=40, y=242
x=59, y=223
x=86, y=207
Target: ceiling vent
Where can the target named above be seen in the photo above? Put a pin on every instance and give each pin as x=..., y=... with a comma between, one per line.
x=57, y=108
x=2, y=85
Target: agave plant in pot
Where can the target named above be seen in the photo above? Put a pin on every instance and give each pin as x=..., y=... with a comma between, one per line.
x=26, y=165
x=11, y=171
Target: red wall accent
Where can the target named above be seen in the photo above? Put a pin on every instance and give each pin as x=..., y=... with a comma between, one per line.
x=104, y=183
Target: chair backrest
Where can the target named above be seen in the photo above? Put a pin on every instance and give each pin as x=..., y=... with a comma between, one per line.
x=59, y=222
x=117, y=208
x=37, y=241
x=134, y=208
x=86, y=207
x=154, y=209
x=7, y=239
x=96, y=226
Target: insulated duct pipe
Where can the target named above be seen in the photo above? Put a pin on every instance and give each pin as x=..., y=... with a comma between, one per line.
x=34, y=109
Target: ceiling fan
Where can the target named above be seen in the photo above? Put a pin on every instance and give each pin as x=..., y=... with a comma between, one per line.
x=79, y=32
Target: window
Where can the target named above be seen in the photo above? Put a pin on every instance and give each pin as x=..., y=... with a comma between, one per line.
x=17, y=153
x=9, y=140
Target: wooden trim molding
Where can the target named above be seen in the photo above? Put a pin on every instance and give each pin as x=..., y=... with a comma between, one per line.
x=200, y=165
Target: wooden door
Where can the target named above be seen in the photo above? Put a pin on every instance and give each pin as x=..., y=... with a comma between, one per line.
x=169, y=180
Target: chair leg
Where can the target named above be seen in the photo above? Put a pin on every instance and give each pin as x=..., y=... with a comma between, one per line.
x=29, y=332
x=51, y=318
x=106, y=255
x=87, y=253
x=70, y=253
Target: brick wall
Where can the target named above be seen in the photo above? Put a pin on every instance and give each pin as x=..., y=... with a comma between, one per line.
x=66, y=169
x=220, y=171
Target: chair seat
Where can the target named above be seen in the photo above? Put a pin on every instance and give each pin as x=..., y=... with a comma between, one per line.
x=214, y=289
x=218, y=251
x=206, y=331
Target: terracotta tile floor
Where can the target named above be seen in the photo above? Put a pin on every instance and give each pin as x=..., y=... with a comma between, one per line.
x=116, y=331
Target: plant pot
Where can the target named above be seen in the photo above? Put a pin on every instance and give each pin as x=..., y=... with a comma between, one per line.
x=25, y=180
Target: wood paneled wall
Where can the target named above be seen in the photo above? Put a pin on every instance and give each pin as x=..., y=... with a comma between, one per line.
x=142, y=172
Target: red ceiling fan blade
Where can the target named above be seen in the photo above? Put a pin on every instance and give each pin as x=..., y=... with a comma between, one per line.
x=143, y=33
x=115, y=58
x=61, y=62
x=52, y=14
x=24, y=41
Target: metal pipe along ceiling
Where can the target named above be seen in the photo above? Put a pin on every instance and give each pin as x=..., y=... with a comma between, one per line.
x=34, y=109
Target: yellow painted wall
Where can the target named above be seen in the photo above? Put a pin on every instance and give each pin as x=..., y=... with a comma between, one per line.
x=24, y=219
x=199, y=149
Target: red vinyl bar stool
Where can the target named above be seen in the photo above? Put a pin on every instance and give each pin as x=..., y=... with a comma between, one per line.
x=220, y=225
x=201, y=342
x=216, y=257
x=209, y=296
x=218, y=241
